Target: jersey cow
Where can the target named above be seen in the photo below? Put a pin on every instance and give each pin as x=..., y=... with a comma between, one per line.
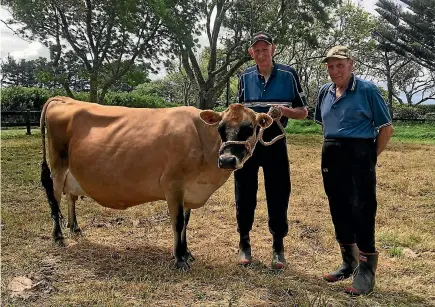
x=122, y=157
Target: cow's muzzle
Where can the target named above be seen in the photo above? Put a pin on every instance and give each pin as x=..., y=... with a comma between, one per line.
x=229, y=161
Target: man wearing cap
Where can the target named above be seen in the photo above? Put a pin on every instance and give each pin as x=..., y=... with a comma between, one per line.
x=356, y=127
x=260, y=86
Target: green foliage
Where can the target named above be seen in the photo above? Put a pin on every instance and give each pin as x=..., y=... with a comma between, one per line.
x=16, y=98
x=403, y=131
x=303, y=127
x=412, y=112
x=406, y=112
x=105, y=37
x=135, y=100
x=409, y=32
x=21, y=98
x=233, y=24
x=395, y=252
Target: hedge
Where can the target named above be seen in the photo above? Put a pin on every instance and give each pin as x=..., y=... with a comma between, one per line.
x=412, y=112
x=23, y=98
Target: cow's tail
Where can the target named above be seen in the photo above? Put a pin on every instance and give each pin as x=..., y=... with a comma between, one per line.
x=46, y=180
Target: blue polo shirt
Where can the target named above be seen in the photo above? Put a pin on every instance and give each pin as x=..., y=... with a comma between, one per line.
x=282, y=87
x=358, y=113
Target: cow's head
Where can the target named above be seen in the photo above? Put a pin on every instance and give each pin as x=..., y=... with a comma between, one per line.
x=237, y=127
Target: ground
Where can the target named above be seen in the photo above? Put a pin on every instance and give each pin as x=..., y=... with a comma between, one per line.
x=124, y=257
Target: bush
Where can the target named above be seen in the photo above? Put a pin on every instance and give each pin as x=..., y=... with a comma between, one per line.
x=135, y=100
x=22, y=98
x=412, y=112
x=426, y=108
x=406, y=112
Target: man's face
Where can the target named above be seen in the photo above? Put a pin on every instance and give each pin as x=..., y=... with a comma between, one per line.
x=262, y=53
x=339, y=70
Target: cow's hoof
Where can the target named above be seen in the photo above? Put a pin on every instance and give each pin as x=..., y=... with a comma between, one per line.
x=182, y=265
x=188, y=256
x=59, y=241
x=76, y=231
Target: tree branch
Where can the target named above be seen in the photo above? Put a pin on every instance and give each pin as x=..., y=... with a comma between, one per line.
x=89, y=29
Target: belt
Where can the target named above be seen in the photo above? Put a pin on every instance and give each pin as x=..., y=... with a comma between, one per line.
x=350, y=140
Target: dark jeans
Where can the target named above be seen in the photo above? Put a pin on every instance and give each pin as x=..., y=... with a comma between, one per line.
x=276, y=168
x=349, y=179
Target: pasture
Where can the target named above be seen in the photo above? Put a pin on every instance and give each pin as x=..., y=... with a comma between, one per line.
x=124, y=257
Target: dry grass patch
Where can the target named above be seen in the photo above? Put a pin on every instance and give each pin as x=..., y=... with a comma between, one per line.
x=124, y=257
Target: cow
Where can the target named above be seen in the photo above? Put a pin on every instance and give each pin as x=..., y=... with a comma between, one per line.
x=122, y=157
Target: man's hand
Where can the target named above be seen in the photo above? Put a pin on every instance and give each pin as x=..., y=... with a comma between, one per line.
x=294, y=113
x=383, y=138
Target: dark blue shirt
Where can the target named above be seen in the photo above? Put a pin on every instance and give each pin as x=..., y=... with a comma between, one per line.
x=282, y=87
x=358, y=113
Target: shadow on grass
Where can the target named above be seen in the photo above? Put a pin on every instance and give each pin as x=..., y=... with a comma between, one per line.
x=154, y=264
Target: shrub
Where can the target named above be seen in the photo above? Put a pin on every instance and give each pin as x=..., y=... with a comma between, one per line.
x=21, y=98
x=406, y=112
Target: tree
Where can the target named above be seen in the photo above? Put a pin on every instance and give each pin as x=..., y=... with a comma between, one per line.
x=228, y=35
x=411, y=31
x=416, y=83
x=108, y=36
x=18, y=73
x=350, y=26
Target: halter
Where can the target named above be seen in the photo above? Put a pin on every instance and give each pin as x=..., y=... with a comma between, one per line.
x=276, y=114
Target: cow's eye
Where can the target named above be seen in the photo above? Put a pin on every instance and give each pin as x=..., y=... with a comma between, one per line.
x=245, y=132
x=222, y=132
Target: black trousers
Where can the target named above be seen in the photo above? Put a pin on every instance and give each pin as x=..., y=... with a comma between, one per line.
x=349, y=179
x=276, y=168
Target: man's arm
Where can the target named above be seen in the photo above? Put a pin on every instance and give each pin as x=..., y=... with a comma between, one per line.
x=383, y=138
x=299, y=109
x=294, y=113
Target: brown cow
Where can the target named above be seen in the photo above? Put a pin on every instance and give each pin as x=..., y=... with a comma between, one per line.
x=122, y=157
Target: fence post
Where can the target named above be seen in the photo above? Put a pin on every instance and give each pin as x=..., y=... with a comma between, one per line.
x=28, y=121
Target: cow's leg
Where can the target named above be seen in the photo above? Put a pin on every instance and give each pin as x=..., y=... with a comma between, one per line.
x=188, y=256
x=175, y=205
x=72, y=218
x=54, y=197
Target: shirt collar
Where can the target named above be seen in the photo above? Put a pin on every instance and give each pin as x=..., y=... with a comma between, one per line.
x=272, y=73
x=350, y=86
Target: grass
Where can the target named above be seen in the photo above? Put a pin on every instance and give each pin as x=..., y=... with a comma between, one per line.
x=408, y=132
x=395, y=251
x=124, y=257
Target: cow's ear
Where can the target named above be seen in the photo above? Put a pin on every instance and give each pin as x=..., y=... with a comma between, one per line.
x=263, y=120
x=210, y=117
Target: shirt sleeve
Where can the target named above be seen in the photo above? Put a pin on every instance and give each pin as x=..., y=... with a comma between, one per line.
x=380, y=112
x=300, y=99
x=241, y=90
x=320, y=96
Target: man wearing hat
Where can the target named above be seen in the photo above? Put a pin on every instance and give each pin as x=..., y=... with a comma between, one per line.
x=260, y=86
x=356, y=127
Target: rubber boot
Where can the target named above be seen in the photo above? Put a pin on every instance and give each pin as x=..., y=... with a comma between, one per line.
x=349, y=253
x=244, y=257
x=278, y=259
x=364, y=279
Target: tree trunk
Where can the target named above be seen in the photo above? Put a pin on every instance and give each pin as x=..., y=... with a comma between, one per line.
x=67, y=89
x=390, y=95
x=102, y=95
x=206, y=101
x=93, y=92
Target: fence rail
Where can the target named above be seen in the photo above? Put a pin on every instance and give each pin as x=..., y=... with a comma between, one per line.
x=30, y=121
x=28, y=116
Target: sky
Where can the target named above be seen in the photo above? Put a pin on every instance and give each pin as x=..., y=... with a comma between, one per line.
x=19, y=48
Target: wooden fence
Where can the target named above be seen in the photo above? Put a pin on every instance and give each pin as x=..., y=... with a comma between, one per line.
x=30, y=119
x=26, y=119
